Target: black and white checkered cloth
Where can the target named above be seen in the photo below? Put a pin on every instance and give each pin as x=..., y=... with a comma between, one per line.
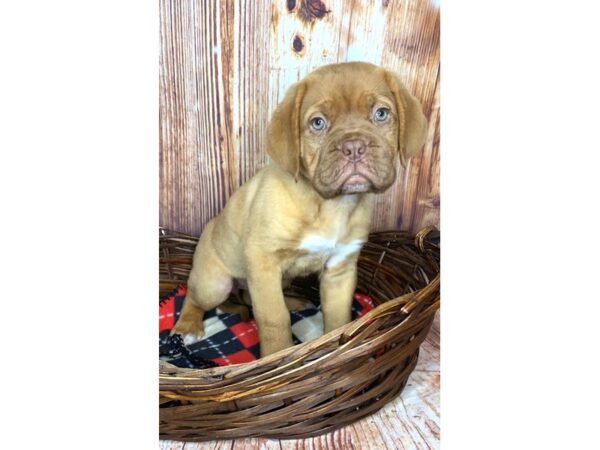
x=228, y=339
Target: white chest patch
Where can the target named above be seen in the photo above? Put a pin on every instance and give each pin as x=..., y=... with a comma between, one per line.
x=333, y=252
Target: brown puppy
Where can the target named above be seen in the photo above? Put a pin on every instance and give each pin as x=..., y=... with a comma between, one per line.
x=334, y=140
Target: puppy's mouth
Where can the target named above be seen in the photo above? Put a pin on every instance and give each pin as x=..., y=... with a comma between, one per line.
x=356, y=183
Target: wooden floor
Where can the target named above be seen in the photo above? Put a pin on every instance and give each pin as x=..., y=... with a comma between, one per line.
x=411, y=421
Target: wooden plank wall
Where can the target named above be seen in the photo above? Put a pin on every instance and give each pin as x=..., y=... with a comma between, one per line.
x=224, y=65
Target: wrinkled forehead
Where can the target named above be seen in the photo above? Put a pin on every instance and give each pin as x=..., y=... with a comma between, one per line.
x=345, y=92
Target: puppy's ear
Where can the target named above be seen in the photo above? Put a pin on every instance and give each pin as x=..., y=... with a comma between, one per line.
x=283, y=131
x=412, y=125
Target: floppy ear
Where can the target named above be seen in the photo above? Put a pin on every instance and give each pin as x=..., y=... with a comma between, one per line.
x=283, y=131
x=412, y=125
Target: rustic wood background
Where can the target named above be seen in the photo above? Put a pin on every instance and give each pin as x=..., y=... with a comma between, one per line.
x=224, y=65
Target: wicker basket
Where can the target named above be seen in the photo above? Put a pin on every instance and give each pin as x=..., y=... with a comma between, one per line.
x=320, y=385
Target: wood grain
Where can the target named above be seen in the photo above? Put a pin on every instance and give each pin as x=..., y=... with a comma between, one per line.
x=224, y=66
x=411, y=421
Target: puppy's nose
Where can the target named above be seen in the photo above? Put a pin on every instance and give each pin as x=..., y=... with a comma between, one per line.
x=354, y=149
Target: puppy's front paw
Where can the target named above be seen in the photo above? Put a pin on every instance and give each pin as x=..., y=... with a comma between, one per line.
x=191, y=338
x=190, y=331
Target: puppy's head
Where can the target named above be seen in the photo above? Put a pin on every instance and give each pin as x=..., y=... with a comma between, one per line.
x=342, y=126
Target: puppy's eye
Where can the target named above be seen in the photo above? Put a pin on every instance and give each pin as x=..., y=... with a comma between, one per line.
x=381, y=114
x=318, y=123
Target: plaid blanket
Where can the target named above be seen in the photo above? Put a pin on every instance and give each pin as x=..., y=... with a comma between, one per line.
x=228, y=339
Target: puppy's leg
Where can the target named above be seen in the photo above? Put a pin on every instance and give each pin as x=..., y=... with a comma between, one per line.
x=337, y=291
x=190, y=323
x=297, y=303
x=208, y=286
x=270, y=312
x=235, y=308
x=292, y=303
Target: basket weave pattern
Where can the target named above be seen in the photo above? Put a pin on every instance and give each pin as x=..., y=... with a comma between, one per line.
x=319, y=385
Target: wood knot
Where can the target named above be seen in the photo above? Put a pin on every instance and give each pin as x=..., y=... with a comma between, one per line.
x=298, y=44
x=311, y=10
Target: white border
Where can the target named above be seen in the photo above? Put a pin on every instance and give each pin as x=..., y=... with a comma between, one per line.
x=519, y=225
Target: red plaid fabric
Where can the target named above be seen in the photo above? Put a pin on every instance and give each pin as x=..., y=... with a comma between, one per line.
x=229, y=340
